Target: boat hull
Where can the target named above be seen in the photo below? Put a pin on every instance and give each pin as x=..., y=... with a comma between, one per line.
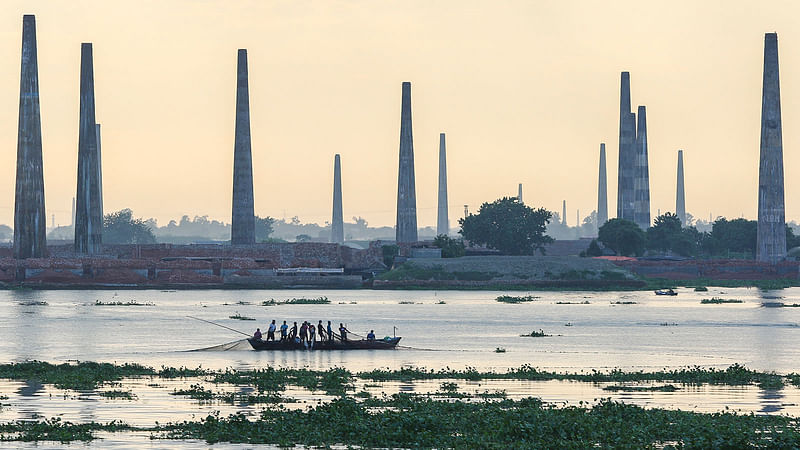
x=362, y=344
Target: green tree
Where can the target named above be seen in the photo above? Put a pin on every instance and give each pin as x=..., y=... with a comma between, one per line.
x=594, y=249
x=738, y=236
x=509, y=226
x=623, y=236
x=451, y=248
x=121, y=228
x=666, y=230
x=263, y=228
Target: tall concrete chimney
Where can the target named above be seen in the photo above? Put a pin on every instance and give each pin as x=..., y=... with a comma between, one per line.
x=29, y=215
x=771, y=214
x=243, y=219
x=564, y=213
x=337, y=220
x=443, y=218
x=680, y=197
x=519, y=193
x=99, y=168
x=602, y=189
x=406, y=192
x=627, y=153
x=641, y=213
x=88, y=213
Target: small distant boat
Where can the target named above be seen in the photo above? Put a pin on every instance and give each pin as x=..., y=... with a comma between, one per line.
x=387, y=343
x=666, y=292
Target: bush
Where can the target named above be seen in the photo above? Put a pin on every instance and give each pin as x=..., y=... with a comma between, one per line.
x=451, y=248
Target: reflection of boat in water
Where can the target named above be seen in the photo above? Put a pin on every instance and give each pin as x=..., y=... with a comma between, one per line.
x=666, y=292
x=387, y=343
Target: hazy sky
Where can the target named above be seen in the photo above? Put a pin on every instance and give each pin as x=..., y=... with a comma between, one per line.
x=525, y=90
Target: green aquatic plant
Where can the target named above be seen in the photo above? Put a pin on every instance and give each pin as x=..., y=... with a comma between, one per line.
x=413, y=421
x=33, y=303
x=718, y=300
x=238, y=316
x=623, y=388
x=117, y=395
x=298, y=301
x=535, y=333
x=623, y=303
x=500, y=350
x=80, y=376
x=131, y=303
x=701, y=289
x=516, y=299
x=585, y=302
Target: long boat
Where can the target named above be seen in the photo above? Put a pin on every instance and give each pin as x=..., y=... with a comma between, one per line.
x=360, y=344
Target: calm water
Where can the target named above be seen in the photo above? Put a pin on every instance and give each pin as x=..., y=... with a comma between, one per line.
x=464, y=331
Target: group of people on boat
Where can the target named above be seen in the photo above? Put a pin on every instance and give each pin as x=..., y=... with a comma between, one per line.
x=307, y=334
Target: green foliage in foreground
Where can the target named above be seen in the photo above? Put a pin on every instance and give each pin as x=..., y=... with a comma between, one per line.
x=54, y=430
x=417, y=422
x=82, y=376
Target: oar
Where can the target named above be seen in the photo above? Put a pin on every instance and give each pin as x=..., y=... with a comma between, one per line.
x=214, y=323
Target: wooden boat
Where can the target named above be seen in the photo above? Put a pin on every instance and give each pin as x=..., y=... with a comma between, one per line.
x=360, y=344
x=666, y=292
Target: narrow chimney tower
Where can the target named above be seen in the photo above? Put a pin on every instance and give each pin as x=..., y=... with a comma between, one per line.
x=771, y=245
x=443, y=218
x=29, y=213
x=406, y=192
x=337, y=221
x=243, y=220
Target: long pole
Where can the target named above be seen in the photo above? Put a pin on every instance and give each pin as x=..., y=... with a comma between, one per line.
x=213, y=323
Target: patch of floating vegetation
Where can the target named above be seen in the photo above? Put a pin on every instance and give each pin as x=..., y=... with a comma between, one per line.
x=585, y=302
x=33, y=303
x=404, y=302
x=397, y=422
x=719, y=300
x=500, y=350
x=441, y=302
x=701, y=289
x=668, y=324
x=348, y=303
x=535, y=333
x=297, y=301
x=198, y=392
x=623, y=388
x=517, y=299
x=81, y=376
x=131, y=303
x=117, y=395
x=780, y=305
x=734, y=375
x=624, y=303
x=238, y=316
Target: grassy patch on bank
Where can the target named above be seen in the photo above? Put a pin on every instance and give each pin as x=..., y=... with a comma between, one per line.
x=410, y=271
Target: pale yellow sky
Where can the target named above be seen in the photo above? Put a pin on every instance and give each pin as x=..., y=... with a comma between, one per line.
x=525, y=90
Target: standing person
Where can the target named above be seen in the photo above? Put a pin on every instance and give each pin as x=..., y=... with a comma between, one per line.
x=342, y=332
x=293, y=332
x=284, y=329
x=304, y=333
x=271, y=331
x=321, y=331
x=330, y=332
x=311, y=335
